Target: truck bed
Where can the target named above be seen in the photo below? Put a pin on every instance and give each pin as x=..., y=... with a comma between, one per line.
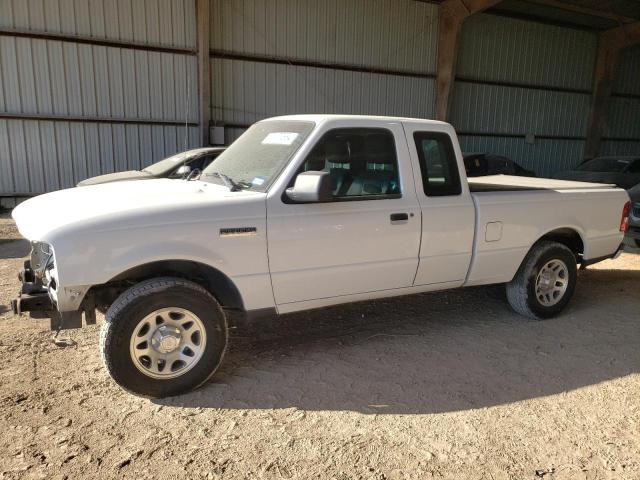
x=514, y=212
x=510, y=183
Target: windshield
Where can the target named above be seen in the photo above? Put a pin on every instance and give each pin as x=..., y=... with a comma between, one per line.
x=605, y=165
x=168, y=163
x=257, y=157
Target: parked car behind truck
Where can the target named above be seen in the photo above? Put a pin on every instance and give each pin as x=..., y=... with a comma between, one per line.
x=482, y=164
x=623, y=171
x=632, y=236
x=179, y=165
x=300, y=212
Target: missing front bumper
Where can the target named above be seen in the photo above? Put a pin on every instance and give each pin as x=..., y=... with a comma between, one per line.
x=40, y=306
x=32, y=302
x=34, y=299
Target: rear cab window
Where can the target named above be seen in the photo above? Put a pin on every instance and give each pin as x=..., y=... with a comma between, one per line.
x=438, y=165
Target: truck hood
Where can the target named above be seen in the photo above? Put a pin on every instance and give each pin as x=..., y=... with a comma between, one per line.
x=125, y=203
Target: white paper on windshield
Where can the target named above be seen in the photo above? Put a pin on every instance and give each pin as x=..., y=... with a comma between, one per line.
x=280, y=138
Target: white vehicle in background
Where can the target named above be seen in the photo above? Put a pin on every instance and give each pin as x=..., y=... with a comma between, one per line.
x=300, y=212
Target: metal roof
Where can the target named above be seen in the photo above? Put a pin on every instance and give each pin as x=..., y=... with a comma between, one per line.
x=585, y=14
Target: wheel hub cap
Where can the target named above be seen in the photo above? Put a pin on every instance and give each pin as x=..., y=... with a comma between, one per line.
x=167, y=343
x=166, y=339
x=552, y=282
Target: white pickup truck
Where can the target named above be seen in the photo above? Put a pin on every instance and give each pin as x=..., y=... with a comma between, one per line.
x=300, y=212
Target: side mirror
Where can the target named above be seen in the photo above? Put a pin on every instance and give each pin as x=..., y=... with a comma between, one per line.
x=183, y=170
x=311, y=187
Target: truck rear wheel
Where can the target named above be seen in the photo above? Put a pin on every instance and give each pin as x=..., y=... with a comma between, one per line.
x=545, y=282
x=163, y=337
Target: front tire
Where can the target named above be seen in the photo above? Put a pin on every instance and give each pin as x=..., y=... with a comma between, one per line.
x=545, y=282
x=163, y=337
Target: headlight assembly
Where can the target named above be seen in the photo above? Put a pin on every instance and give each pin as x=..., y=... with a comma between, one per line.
x=41, y=258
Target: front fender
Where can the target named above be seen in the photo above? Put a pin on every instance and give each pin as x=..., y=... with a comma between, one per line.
x=86, y=259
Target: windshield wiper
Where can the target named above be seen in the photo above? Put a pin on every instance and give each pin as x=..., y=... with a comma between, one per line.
x=228, y=181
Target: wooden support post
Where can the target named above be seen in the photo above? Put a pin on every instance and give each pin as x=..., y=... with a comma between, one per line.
x=609, y=45
x=603, y=76
x=204, y=74
x=452, y=14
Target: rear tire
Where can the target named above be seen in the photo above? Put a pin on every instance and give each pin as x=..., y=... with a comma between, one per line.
x=163, y=337
x=545, y=281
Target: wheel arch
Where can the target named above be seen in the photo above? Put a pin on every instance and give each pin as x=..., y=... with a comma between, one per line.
x=213, y=280
x=568, y=236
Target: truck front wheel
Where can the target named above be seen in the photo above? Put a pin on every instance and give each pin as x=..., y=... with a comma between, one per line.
x=163, y=337
x=545, y=281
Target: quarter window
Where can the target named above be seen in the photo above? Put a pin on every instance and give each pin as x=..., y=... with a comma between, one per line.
x=438, y=164
x=362, y=163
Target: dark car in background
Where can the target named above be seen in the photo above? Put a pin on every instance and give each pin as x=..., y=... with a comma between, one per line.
x=632, y=237
x=481, y=164
x=179, y=165
x=623, y=171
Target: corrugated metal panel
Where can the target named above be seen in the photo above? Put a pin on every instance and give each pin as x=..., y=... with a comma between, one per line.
x=623, y=118
x=232, y=134
x=63, y=78
x=609, y=147
x=396, y=34
x=497, y=109
x=513, y=51
x=543, y=157
x=243, y=92
x=506, y=49
x=38, y=156
x=628, y=74
x=163, y=22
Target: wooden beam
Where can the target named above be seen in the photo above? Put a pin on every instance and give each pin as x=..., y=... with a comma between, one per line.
x=609, y=45
x=603, y=76
x=204, y=71
x=623, y=36
x=569, y=7
x=451, y=16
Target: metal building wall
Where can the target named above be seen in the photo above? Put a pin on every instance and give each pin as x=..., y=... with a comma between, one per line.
x=273, y=57
x=622, y=136
x=91, y=87
x=161, y=22
x=517, y=77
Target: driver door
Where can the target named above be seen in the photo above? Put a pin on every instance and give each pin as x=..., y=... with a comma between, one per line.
x=367, y=239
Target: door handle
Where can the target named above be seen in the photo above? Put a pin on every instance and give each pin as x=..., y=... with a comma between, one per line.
x=396, y=217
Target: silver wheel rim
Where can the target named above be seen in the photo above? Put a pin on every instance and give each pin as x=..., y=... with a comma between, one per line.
x=552, y=282
x=168, y=343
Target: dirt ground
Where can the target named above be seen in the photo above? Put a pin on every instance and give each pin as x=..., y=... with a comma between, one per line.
x=442, y=385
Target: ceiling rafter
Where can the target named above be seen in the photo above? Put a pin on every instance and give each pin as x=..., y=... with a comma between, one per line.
x=623, y=36
x=621, y=19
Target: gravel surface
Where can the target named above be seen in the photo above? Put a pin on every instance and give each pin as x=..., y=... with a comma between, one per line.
x=442, y=385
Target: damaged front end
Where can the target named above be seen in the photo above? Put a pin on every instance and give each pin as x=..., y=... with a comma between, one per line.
x=39, y=291
x=33, y=297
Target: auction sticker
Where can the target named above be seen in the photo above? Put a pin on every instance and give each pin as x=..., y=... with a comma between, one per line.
x=280, y=138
